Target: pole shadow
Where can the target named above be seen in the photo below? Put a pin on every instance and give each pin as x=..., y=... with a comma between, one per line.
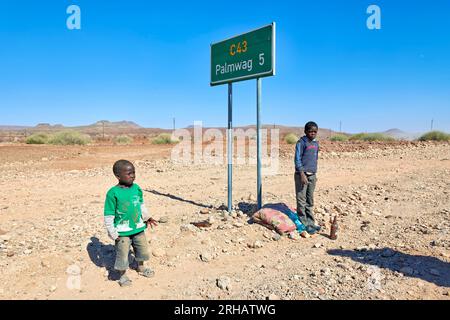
x=427, y=268
x=173, y=197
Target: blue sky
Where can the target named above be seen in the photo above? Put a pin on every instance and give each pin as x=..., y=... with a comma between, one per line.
x=148, y=61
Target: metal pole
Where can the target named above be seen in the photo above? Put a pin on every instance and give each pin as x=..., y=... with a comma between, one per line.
x=230, y=146
x=258, y=141
x=432, y=124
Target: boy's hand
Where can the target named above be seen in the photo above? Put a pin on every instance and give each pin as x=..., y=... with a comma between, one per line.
x=303, y=178
x=151, y=222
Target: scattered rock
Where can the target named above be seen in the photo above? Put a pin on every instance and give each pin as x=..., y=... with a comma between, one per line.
x=434, y=272
x=238, y=224
x=5, y=238
x=387, y=253
x=205, y=257
x=164, y=219
x=52, y=288
x=204, y=211
x=407, y=271
x=73, y=270
x=276, y=237
x=158, y=252
x=255, y=245
x=317, y=245
x=45, y=263
x=224, y=283
x=188, y=228
x=272, y=296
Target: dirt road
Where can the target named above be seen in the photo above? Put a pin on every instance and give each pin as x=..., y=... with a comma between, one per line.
x=393, y=202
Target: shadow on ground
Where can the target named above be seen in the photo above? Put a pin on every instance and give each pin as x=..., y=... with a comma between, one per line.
x=173, y=197
x=427, y=268
x=104, y=255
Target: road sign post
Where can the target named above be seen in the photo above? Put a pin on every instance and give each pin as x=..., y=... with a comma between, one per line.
x=246, y=56
x=230, y=147
x=258, y=142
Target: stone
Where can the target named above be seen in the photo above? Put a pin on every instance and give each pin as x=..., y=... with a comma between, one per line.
x=387, y=253
x=238, y=224
x=276, y=237
x=255, y=245
x=434, y=272
x=326, y=271
x=52, y=288
x=5, y=238
x=211, y=220
x=204, y=211
x=27, y=251
x=407, y=271
x=73, y=270
x=164, y=219
x=272, y=296
x=224, y=283
x=158, y=252
x=317, y=245
x=45, y=264
x=188, y=228
x=205, y=257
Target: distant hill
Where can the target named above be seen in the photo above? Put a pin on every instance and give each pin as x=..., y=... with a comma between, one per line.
x=401, y=135
x=284, y=130
x=13, y=128
x=117, y=124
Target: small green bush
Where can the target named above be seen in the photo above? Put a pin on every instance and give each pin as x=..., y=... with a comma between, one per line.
x=123, y=139
x=164, y=138
x=37, y=138
x=435, y=136
x=291, y=138
x=370, y=137
x=339, y=137
x=69, y=137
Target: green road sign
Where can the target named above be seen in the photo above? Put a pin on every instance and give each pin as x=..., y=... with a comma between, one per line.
x=247, y=56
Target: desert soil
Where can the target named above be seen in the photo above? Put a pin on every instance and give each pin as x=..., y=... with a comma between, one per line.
x=393, y=202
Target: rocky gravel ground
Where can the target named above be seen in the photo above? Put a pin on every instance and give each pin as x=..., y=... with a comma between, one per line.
x=392, y=202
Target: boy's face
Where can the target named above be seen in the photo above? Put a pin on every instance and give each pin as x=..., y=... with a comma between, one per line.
x=126, y=175
x=311, y=133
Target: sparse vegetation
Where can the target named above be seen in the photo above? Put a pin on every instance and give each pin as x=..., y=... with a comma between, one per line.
x=69, y=137
x=435, y=136
x=123, y=139
x=370, y=137
x=339, y=138
x=164, y=138
x=291, y=138
x=37, y=138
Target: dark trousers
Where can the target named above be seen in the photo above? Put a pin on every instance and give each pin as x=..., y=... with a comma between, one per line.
x=305, y=198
